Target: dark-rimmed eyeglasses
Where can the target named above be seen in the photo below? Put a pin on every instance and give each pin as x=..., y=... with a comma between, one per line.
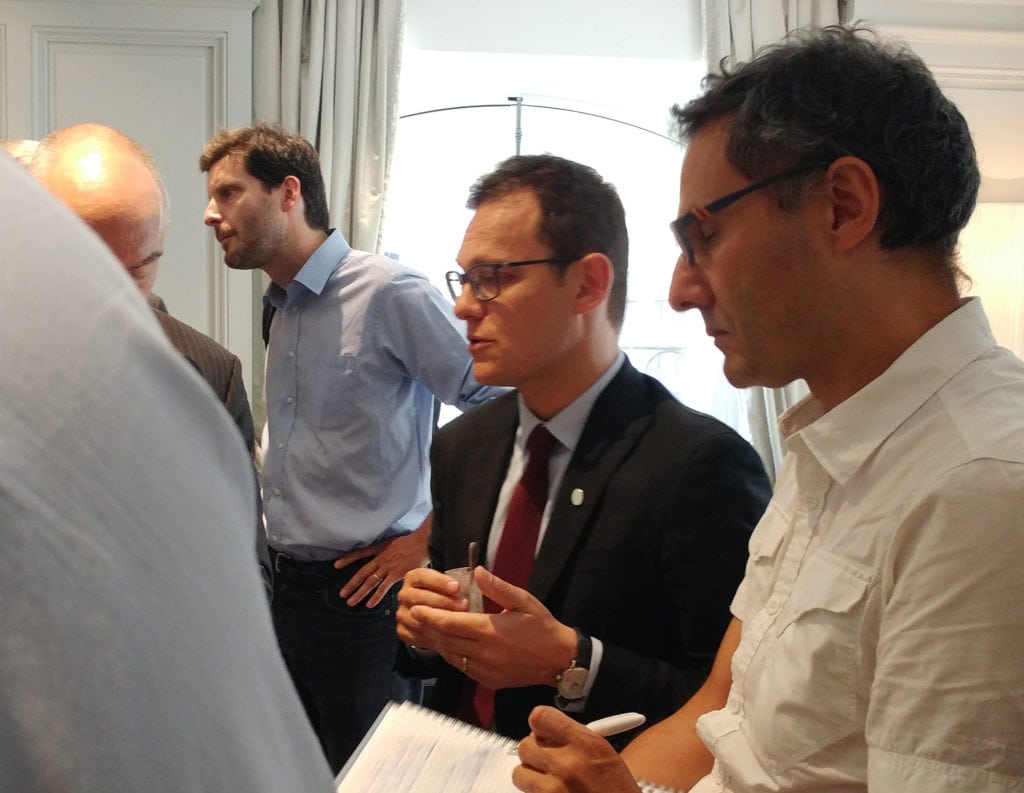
x=485, y=279
x=683, y=225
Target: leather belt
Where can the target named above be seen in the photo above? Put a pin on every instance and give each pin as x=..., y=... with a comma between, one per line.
x=312, y=574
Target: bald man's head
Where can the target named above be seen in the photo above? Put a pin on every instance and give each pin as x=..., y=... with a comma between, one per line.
x=111, y=183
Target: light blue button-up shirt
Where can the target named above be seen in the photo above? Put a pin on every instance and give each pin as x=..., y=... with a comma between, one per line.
x=359, y=346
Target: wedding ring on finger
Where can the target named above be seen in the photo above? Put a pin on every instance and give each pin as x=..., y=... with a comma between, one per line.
x=377, y=579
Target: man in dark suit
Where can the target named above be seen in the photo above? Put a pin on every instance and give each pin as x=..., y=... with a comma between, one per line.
x=157, y=302
x=218, y=366
x=112, y=183
x=640, y=531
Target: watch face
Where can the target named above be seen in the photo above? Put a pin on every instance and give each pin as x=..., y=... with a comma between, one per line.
x=571, y=684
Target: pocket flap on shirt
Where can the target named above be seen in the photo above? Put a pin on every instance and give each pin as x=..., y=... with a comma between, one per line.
x=829, y=583
x=767, y=537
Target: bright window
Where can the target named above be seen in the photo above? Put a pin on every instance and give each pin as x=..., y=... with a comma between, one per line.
x=611, y=113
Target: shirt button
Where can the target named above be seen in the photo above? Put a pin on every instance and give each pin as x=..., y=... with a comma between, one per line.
x=277, y=492
x=291, y=353
x=280, y=444
x=290, y=400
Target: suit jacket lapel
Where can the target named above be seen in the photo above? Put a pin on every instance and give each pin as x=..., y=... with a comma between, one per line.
x=618, y=420
x=488, y=458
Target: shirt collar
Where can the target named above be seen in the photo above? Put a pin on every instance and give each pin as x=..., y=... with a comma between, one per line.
x=315, y=273
x=567, y=425
x=846, y=436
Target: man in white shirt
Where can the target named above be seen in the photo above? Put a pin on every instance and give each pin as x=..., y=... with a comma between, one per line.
x=878, y=635
x=135, y=641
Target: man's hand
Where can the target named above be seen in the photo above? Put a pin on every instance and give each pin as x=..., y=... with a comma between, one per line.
x=563, y=756
x=429, y=588
x=393, y=559
x=524, y=645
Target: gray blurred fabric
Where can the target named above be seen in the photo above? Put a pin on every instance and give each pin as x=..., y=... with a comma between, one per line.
x=135, y=641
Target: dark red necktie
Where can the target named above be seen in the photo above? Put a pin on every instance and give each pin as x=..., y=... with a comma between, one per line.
x=517, y=549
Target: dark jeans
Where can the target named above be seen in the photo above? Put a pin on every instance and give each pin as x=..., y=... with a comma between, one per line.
x=341, y=658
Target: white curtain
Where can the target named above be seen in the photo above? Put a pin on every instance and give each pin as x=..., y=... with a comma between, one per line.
x=328, y=70
x=736, y=29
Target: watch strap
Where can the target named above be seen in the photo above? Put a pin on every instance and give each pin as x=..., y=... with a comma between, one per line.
x=569, y=680
x=584, y=650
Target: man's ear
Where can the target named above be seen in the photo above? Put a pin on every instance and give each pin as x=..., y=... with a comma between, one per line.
x=853, y=192
x=291, y=192
x=593, y=281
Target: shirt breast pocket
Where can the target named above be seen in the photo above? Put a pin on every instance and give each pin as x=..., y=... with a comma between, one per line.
x=807, y=696
x=338, y=392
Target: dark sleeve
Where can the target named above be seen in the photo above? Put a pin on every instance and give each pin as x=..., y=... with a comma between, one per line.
x=237, y=403
x=435, y=543
x=418, y=663
x=698, y=558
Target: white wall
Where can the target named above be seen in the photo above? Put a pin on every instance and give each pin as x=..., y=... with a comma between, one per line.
x=169, y=74
x=976, y=50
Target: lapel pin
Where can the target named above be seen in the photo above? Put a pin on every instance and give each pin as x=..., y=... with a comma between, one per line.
x=576, y=497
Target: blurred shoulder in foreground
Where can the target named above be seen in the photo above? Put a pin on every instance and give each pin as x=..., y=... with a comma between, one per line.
x=135, y=638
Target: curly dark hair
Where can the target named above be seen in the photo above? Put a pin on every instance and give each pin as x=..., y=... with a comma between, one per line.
x=580, y=212
x=270, y=154
x=839, y=91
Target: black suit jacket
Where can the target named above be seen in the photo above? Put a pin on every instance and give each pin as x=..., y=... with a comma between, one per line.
x=647, y=563
x=223, y=371
x=218, y=366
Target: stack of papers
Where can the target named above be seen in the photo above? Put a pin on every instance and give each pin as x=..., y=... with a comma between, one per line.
x=413, y=749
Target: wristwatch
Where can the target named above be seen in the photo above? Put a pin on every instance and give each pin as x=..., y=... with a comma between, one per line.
x=571, y=681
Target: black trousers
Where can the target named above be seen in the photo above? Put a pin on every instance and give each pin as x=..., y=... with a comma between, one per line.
x=341, y=658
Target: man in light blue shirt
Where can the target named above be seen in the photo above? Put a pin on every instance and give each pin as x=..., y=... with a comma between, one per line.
x=359, y=348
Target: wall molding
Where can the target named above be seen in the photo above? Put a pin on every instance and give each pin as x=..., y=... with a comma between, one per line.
x=243, y=5
x=3, y=81
x=960, y=38
x=980, y=77
x=46, y=43
x=1016, y=3
x=50, y=42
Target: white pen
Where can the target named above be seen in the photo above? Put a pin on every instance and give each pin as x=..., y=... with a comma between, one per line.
x=613, y=725
x=608, y=726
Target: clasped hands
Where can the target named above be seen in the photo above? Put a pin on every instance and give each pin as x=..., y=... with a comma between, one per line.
x=520, y=646
x=523, y=645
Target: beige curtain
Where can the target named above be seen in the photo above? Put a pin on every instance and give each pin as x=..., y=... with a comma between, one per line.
x=735, y=30
x=328, y=70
